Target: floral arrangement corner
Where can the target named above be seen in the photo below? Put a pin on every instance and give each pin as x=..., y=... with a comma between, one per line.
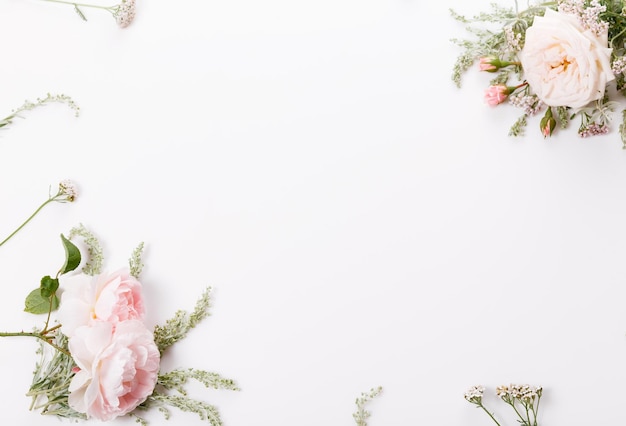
x=98, y=359
x=563, y=59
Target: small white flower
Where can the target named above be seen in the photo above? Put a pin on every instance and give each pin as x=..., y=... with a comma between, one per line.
x=125, y=13
x=502, y=391
x=475, y=393
x=68, y=188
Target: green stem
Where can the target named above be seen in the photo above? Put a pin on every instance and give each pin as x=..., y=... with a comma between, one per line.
x=49, y=200
x=81, y=4
x=45, y=330
x=512, y=404
x=40, y=336
x=535, y=410
x=490, y=415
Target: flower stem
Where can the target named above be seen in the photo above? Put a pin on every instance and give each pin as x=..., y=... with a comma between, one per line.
x=490, y=415
x=40, y=336
x=49, y=200
x=81, y=4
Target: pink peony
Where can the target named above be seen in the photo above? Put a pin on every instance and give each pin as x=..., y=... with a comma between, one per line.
x=496, y=94
x=118, y=368
x=106, y=297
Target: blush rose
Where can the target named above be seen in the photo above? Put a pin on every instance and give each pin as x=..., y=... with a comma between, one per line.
x=564, y=63
x=111, y=297
x=118, y=368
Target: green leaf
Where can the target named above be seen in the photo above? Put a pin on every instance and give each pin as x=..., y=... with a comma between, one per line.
x=48, y=286
x=72, y=256
x=37, y=304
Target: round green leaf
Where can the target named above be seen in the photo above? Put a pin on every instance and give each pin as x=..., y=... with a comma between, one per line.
x=48, y=286
x=35, y=303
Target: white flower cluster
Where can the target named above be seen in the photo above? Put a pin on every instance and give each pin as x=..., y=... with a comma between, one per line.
x=619, y=65
x=68, y=188
x=588, y=16
x=531, y=104
x=593, y=129
x=125, y=13
x=525, y=393
x=475, y=393
x=513, y=39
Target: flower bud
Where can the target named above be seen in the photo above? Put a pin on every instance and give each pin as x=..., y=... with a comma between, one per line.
x=493, y=64
x=547, y=123
x=496, y=94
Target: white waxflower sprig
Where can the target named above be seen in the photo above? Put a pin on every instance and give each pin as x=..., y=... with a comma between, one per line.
x=123, y=12
x=523, y=399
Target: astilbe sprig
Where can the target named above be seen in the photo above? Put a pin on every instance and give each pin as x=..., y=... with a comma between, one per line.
x=174, y=330
x=177, y=327
x=40, y=102
x=177, y=379
x=361, y=414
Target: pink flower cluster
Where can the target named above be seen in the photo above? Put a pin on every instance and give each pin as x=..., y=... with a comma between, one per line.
x=116, y=357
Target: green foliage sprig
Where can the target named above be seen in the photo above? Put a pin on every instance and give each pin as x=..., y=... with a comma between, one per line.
x=39, y=102
x=51, y=381
x=178, y=327
x=165, y=336
x=361, y=415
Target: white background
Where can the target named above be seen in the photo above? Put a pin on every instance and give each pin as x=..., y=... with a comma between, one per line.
x=362, y=221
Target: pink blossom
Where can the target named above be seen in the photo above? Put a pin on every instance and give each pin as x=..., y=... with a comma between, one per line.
x=118, y=368
x=486, y=64
x=496, y=94
x=106, y=297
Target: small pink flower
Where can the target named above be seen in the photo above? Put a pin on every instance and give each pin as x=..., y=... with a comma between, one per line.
x=486, y=64
x=118, y=368
x=496, y=94
x=106, y=297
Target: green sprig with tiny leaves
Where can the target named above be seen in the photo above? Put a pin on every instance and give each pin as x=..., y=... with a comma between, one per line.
x=135, y=263
x=40, y=102
x=178, y=327
x=93, y=264
x=361, y=415
x=51, y=381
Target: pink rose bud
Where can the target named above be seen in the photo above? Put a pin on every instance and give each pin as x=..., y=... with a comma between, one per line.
x=497, y=94
x=489, y=64
x=547, y=123
x=493, y=64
